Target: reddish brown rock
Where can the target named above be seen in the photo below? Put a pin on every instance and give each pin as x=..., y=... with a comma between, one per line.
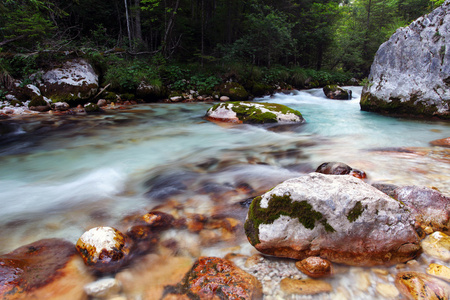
x=442, y=142
x=105, y=249
x=46, y=269
x=315, y=267
x=429, y=207
x=420, y=286
x=216, y=278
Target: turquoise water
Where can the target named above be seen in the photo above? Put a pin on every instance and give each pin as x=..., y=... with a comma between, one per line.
x=62, y=175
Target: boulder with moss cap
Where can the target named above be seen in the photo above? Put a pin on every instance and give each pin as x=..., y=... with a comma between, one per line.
x=253, y=113
x=336, y=217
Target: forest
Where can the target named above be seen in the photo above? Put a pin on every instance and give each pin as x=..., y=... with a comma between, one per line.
x=167, y=40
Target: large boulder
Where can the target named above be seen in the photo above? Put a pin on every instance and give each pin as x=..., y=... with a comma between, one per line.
x=410, y=74
x=151, y=93
x=336, y=217
x=255, y=113
x=74, y=80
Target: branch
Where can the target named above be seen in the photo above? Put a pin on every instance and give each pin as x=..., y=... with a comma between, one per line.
x=12, y=40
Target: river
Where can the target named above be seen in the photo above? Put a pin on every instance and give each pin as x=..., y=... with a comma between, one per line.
x=60, y=176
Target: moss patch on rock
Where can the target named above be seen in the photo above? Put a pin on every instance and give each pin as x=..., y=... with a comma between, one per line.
x=234, y=90
x=355, y=212
x=250, y=112
x=395, y=106
x=281, y=205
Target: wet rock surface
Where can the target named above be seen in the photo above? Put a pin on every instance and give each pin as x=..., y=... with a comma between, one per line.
x=430, y=208
x=420, y=286
x=442, y=142
x=105, y=249
x=338, y=168
x=46, y=268
x=216, y=278
x=315, y=267
x=336, y=92
x=253, y=113
x=336, y=217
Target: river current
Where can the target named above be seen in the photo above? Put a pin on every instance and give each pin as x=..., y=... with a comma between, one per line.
x=60, y=176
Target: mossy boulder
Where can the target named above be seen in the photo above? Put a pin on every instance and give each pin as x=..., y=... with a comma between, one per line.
x=336, y=217
x=92, y=108
x=336, y=92
x=72, y=82
x=254, y=113
x=234, y=90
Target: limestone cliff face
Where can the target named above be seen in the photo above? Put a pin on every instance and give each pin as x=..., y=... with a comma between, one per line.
x=410, y=74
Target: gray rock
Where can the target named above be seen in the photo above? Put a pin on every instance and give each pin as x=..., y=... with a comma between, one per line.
x=411, y=71
x=429, y=207
x=336, y=217
x=75, y=79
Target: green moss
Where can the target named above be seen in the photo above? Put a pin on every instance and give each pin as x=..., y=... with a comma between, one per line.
x=38, y=101
x=355, y=212
x=234, y=90
x=281, y=205
x=16, y=103
x=248, y=112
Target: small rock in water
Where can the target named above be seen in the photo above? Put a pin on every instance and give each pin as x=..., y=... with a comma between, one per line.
x=439, y=271
x=103, y=288
x=442, y=142
x=337, y=168
x=224, y=98
x=437, y=245
x=105, y=249
x=420, y=286
x=216, y=278
x=315, y=267
x=304, y=286
x=387, y=290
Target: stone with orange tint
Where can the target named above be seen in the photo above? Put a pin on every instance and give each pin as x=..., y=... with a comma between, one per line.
x=105, y=249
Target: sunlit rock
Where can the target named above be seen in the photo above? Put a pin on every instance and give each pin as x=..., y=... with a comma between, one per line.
x=336, y=217
x=216, y=278
x=74, y=80
x=411, y=71
x=46, y=269
x=429, y=207
x=315, y=267
x=440, y=271
x=420, y=286
x=103, y=288
x=336, y=92
x=105, y=249
x=437, y=245
x=253, y=112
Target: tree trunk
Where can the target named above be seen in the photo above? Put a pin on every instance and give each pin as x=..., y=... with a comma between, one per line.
x=128, y=23
x=137, y=21
x=169, y=28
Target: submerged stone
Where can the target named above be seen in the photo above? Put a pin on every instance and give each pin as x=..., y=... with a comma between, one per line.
x=254, y=113
x=216, y=278
x=46, y=269
x=336, y=217
x=315, y=267
x=420, y=286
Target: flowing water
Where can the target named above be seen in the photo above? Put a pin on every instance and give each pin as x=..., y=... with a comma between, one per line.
x=60, y=176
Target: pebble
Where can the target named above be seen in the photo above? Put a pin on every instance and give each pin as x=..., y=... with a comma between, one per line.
x=437, y=245
x=103, y=288
x=304, y=286
x=387, y=290
x=315, y=267
x=363, y=281
x=442, y=272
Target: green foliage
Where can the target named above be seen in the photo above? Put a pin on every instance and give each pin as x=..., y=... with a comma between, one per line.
x=22, y=66
x=126, y=75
